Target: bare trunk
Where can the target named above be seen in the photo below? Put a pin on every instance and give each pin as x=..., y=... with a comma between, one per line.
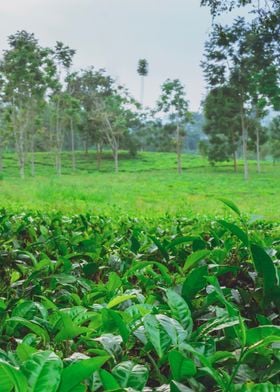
x=86, y=144
x=142, y=91
x=178, y=150
x=235, y=161
x=21, y=155
x=258, y=150
x=58, y=142
x=19, y=126
x=98, y=156
x=1, y=161
x=73, y=145
x=113, y=141
x=58, y=163
x=244, y=144
x=32, y=158
x=116, y=159
x=21, y=168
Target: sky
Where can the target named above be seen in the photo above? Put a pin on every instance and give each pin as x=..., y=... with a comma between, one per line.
x=115, y=34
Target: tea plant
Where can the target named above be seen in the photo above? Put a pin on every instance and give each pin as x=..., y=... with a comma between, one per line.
x=93, y=303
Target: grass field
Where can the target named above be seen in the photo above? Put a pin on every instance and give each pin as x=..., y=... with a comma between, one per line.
x=147, y=185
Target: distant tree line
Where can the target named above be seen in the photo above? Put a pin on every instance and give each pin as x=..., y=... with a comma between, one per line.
x=46, y=106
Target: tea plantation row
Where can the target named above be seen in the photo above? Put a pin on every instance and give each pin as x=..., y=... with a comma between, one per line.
x=93, y=303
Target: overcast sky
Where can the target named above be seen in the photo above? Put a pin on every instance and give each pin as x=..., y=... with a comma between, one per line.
x=114, y=34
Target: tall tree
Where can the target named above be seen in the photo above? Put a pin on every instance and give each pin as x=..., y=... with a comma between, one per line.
x=91, y=87
x=222, y=124
x=116, y=114
x=173, y=102
x=73, y=113
x=143, y=70
x=27, y=70
x=63, y=58
x=237, y=56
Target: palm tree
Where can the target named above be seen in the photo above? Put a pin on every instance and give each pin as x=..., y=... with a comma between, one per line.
x=143, y=69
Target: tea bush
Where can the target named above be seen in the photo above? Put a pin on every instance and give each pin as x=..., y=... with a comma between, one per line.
x=95, y=303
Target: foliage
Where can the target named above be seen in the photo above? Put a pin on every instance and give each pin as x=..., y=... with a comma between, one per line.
x=142, y=67
x=142, y=70
x=244, y=57
x=275, y=138
x=173, y=102
x=222, y=123
x=24, y=63
x=90, y=303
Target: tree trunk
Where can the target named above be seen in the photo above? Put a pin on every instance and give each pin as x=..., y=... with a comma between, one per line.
x=21, y=168
x=1, y=161
x=58, y=163
x=178, y=150
x=142, y=91
x=73, y=146
x=116, y=159
x=19, y=125
x=32, y=164
x=258, y=150
x=21, y=156
x=86, y=144
x=235, y=161
x=32, y=158
x=244, y=144
x=58, y=141
x=98, y=156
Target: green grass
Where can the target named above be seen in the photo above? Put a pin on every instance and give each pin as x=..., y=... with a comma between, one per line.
x=147, y=186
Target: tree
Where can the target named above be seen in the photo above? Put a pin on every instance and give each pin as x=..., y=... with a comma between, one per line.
x=143, y=70
x=63, y=57
x=173, y=102
x=116, y=116
x=257, y=134
x=26, y=73
x=263, y=86
x=106, y=107
x=35, y=132
x=156, y=136
x=237, y=56
x=91, y=87
x=256, y=47
x=224, y=66
x=4, y=132
x=275, y=138
x=203, y=148
x=195, y=132
x=265, y=11
x=222, y=124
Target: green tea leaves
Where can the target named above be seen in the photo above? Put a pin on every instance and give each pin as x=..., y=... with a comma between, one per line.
x=43, y=371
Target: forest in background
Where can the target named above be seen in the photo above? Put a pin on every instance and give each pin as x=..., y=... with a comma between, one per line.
x=46, y=106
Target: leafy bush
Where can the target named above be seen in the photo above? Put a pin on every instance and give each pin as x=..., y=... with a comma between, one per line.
x=101, y=304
